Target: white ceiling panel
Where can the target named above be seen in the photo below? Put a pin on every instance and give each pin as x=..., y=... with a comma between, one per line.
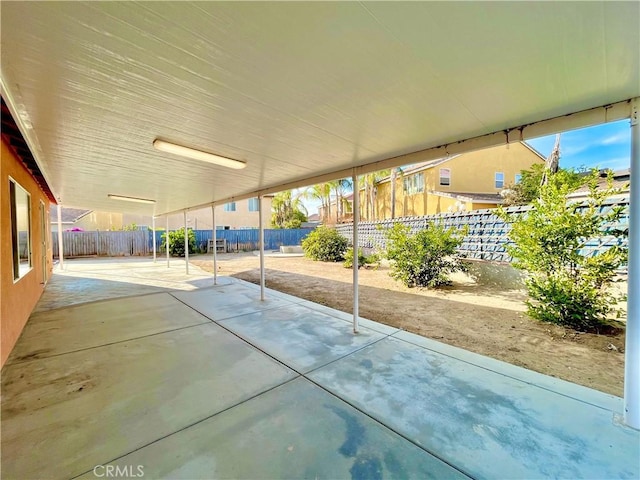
x=294, y=89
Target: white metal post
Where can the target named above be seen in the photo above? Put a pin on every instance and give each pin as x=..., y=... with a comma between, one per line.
x=356, y=220
x=60, y=245
x=153, y=236
x=632, y=347
x=186, y=244
x=166, y=240
x=214, y=237
x=261, y=242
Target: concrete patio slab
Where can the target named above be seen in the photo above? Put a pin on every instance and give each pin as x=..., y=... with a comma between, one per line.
x=222, y=302
x=91, y=279
x=486, y=424
x=296, y=430
x=107, y=382
x=63, y=415
x=64, y=330
x=301, y=338
x=557, y=385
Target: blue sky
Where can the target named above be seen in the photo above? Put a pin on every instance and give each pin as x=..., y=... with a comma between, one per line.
x=602, y=146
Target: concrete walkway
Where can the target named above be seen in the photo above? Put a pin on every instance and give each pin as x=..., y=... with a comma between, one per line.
x=213, y=383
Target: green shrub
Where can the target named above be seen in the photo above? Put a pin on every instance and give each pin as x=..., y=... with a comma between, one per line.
x=362, y=258
x=176, y=242
x=325, y=244
x=424, y=259
x=565, y=287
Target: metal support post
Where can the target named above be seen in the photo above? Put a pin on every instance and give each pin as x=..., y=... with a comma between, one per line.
x=356, y=220
x=60, y=245
x=261, y=241
x=153, y=237
x=632, y=347
x=186, y=244
x=214, y=237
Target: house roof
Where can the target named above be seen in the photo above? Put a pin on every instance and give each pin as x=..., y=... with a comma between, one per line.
x=12, y=135
x=69, y=215
x=303, y=92
x=620, y=181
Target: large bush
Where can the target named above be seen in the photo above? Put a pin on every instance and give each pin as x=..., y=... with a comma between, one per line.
x=426, y=258
x=325, y=244
x=565, y=286
x=176, y=242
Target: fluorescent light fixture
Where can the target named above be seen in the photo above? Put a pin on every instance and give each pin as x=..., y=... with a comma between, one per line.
x=197, y=154
x=130, y=199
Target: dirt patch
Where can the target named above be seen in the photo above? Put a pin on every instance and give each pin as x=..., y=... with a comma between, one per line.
x=467, y=315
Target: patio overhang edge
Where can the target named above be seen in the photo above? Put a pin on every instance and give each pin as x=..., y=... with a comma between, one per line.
x=585, y=118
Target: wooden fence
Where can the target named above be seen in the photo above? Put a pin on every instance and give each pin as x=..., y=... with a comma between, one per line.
x=140, y=242
x=487, y=234
x=108, y=244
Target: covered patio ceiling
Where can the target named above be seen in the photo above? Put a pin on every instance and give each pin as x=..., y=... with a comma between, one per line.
x=297, y=90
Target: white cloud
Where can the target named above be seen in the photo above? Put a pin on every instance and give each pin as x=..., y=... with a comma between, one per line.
x=616, y=138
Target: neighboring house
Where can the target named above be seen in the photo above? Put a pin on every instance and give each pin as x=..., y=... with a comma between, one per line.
x=621, y=179
x=83, y=219
x=26, y=261
x=344, y=214
x=469, y=181
x=239, y=215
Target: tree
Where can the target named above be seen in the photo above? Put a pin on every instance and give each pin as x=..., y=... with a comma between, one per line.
x=322, y=192
x=528, y=189
x=565, y=286
x=369, y=182
x=339, y=187
x=287, y=211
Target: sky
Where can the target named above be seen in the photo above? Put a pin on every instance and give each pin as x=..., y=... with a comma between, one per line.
x=603, y=146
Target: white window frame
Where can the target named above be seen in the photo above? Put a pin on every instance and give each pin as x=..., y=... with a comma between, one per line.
x=230, y=207
x=495, y=180
x=412, y=185
x=517, y=178
x=448, y=176
x=22, y=271
x=253, y=201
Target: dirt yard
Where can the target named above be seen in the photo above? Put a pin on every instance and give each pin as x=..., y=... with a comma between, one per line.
x=467, y=315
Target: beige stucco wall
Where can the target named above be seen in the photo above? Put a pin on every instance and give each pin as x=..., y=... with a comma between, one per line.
x=472, y=172
x=100, y=221
x=201, y=219
x=17, y=299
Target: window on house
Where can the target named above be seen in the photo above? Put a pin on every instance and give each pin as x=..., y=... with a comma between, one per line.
x=254, y=204
x=518, y=178
x=499, y=179
x=413, y=184
x=445, y=176
x=230, y=207
x=20, y=229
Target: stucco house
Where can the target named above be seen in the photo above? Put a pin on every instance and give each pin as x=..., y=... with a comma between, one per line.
x=26, y=262
x=468, y=181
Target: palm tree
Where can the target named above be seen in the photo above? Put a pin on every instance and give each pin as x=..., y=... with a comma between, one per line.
x=339, y=187
x=288, y=211
x=322, y=192
x=370, y=181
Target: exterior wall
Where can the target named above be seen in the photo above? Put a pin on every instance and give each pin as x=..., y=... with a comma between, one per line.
x=201, y=219
x=94, y=221
x=18, y=299
x=475, y=171
x=472, y=172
